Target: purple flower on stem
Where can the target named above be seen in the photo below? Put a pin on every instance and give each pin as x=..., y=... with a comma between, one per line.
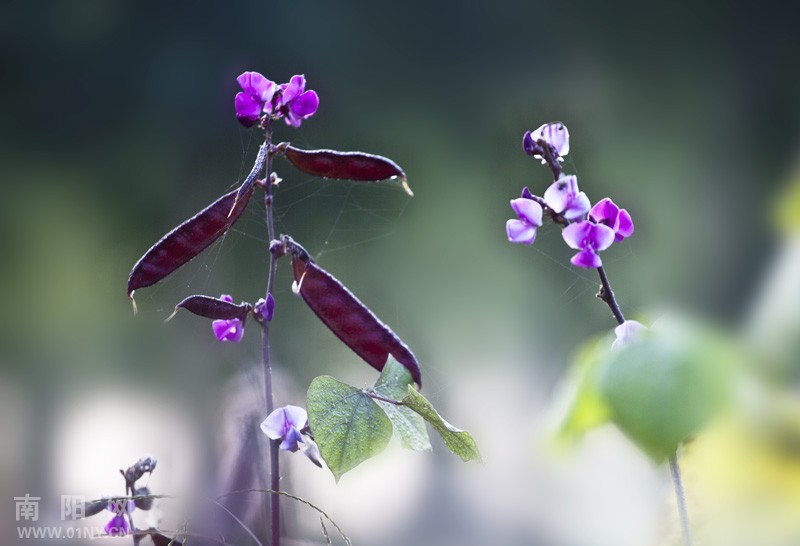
x=228, y=330
x=285, y=424
x=294, y=102
x=554, y=135
x=268, y=311
x=119, y=525
x=627, y=332
x=523, y=230
x=255, y=99
x=589, y=238
x=564, y=198
x=609, y=214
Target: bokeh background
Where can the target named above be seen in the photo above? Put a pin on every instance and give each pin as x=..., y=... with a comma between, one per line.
x=118, y=123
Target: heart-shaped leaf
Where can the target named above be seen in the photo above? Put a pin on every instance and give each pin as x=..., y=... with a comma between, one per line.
x=348, y=425
x=408, y=424
x=458, y=441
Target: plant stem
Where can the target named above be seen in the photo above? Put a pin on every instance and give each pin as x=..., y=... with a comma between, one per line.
x=607, y=295
x=274, y=466
x=680, y=498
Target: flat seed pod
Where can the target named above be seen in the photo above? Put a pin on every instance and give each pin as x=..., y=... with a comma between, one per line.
x=213, y=308
x=346, y=316
x=187, y=240
x=346, y=165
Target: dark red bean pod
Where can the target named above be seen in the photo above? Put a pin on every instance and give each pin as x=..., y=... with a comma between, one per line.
x=163, y=540
x=187, y=240
x=346, y=165
x=213, y=308
x=346, y=316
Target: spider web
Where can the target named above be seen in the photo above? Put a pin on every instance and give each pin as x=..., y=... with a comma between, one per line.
x=344, y=215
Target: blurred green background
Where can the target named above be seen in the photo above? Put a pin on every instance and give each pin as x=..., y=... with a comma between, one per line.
x=118, y=123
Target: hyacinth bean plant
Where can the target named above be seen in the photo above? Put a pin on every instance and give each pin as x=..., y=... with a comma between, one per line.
x=592, y=229
x=341, y=425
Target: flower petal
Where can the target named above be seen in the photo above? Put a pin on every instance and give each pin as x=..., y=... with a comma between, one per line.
x=293, y=89
x=268, y=311
x=305, y=105
x=117, y=526
x=578, y=207
x=295, y=416
x=248, y=110
x=256, y=85
x=625, y=227
x=601, y=236
x=576, y=234
x=627, y=332
x=520, y=232
x=529, y=211
x=554, y=134
x=282, y=420
x=605, y=212
x=526, y=193
x=561, y=193
x=291, y=439
x=587, y=259
x=228, y=330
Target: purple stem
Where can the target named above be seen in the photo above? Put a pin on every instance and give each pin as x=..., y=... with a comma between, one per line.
x=274, y=467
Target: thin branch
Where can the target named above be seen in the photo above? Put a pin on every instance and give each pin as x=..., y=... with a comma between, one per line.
x=606, y=294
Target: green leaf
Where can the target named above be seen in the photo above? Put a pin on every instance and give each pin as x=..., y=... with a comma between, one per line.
x=348, y=426
x=665, y=387
x=409, y=425
x=459, y=442
x=583, y=404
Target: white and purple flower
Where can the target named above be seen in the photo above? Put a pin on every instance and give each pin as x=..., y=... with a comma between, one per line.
x=228, y=330
x=523, y=230
x=554, y=135
x=564, y=197
x=285, y=424
x=589, y=238
x=606, y=212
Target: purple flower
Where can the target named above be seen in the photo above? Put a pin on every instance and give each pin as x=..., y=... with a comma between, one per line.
x=228, y=330
x=118, y=525
x=628, y=332
x=607, y=213
x=589, y=238
x=255, y=99
x=285, y=424
x=554, y=135
x=294, y=102
x=564, y=198
x=530, y=218
x=268, y=311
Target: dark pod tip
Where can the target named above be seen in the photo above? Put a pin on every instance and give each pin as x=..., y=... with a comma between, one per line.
x=187, y=240
x=213, y=308
x=344, y=314
x=357, y=166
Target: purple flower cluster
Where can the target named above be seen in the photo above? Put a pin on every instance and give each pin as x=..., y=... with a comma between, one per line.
x=261, y=98
x=588, y=229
